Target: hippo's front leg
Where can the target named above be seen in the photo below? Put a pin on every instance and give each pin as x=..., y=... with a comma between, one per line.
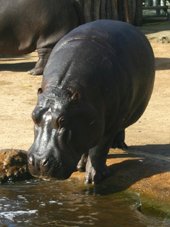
x=81, y=167
x=43, y=54
x=96, y=169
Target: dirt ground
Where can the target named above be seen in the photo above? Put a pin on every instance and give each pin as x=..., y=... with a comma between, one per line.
x=18, y=98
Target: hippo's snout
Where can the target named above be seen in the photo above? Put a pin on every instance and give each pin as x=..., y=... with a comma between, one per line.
x=50, y=165
x=65, y=129
x=43, y=167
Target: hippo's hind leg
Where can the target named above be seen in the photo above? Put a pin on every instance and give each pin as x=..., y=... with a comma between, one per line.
x=43, y=54
x=119, y=140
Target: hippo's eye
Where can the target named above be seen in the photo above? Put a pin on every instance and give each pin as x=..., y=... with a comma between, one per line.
x=60, y=122
x=74, y=94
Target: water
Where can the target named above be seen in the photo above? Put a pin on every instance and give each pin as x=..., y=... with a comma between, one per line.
x=71, y=203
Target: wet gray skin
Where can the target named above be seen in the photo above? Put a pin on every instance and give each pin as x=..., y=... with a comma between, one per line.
x=97, y=82
x=59, y=139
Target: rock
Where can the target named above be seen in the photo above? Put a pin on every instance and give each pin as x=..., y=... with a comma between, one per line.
x=143, y=172
x=137, y=169
x=13, y=165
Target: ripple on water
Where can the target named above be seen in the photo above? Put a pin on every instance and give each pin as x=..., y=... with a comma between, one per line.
x=69, y=203
x=10, y=215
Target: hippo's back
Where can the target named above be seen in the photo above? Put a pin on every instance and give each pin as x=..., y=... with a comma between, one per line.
x=121, y=58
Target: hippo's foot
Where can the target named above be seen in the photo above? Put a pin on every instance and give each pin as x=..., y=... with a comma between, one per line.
x=81, y=167
x=119, y=141
x=36, y=71
x=121, y=145
x=43, y=54
x=95, y=176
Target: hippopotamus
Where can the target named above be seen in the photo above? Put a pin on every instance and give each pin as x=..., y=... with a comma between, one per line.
x=28, y=25
x=97, y=82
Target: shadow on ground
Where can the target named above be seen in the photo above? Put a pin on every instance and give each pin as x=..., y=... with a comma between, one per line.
x=17, y=67
x=162, y=63
x=154, y=149
x=154, y=27
x=137, y=164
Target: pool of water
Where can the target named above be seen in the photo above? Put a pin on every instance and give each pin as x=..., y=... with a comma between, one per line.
x=71, y=203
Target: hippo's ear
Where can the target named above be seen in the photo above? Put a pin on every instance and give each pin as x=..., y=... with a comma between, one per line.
x=40, y=90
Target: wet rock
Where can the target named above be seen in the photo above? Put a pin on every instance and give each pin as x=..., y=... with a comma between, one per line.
x=13, y=165
x=144, y=172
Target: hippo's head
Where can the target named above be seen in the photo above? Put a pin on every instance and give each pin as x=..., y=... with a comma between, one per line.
x=66, y=126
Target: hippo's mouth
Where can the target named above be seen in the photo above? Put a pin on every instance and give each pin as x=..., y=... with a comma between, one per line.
x=55, y=171
x=58, y=173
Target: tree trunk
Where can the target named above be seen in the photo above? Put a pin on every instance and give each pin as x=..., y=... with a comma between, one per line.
x=114, y=6
x=130, y=8
x=87, y=10
x=121, y=10
x=98, y=9
x=138, y=15
x=124, y=10
x=130, y=11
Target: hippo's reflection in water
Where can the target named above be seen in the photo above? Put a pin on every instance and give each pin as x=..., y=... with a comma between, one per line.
x=70, y=203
